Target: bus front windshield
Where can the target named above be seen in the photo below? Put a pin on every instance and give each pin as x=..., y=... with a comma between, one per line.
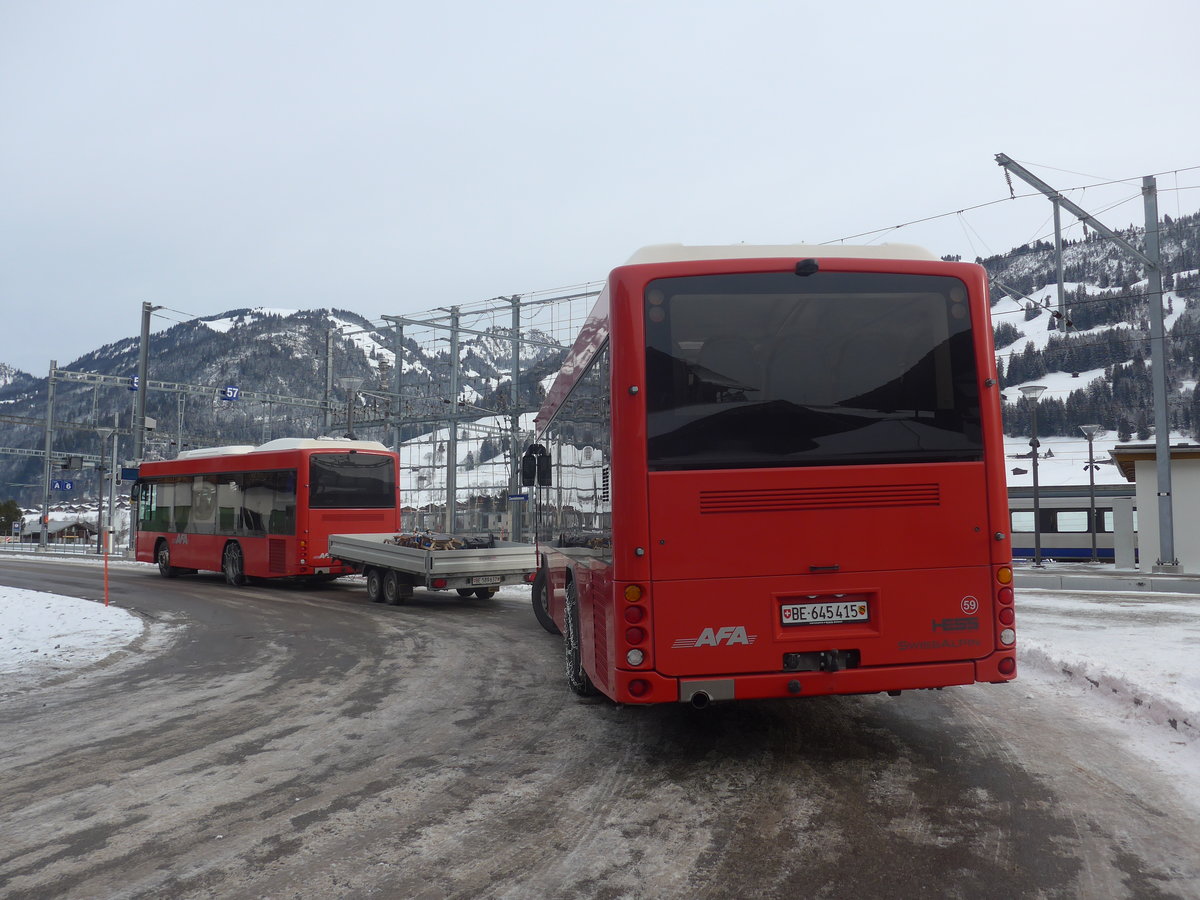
x=835, y=368
x=351, y=481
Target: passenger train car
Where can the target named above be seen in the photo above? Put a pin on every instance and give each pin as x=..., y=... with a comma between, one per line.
x=1065, y=521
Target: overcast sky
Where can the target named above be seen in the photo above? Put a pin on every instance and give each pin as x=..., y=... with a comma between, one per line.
x=390, y=157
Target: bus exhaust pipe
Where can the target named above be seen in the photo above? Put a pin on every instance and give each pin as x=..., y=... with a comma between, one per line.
x=700, y=700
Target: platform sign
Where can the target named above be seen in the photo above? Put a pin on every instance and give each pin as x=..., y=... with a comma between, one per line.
x=16, y=526
x=133, y=382
x=518, y=497
x=231, y=392
x=62, y=484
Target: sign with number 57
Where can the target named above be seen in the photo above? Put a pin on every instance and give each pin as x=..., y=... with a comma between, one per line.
x=231, y=392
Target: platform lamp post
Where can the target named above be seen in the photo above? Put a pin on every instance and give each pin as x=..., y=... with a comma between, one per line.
x=350, y=384
x=105, y=434
x=1090, y=432
x=1032, y=392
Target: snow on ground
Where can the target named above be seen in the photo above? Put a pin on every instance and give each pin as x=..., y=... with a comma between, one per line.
x=44, y=635
x=1068, y=464
x=1126, y=661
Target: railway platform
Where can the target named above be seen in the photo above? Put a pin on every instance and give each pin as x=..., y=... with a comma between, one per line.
x=1084, y=576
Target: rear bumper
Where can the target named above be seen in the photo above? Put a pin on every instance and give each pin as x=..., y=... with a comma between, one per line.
x=863, y=680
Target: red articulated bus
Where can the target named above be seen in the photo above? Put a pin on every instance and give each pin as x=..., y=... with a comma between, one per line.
x=264, y=512
x=777, y=472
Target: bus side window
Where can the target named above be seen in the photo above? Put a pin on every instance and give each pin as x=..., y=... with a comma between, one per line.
x=283, y=506
x=258, y=494
x=181, y=504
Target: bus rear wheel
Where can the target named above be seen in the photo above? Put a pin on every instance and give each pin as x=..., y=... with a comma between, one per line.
x=541, y=603
x=232, y=564
x=162, y=554
x=577, y=678
x=375, y=585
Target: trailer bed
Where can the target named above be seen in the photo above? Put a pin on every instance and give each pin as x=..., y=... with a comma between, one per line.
x=464, y=569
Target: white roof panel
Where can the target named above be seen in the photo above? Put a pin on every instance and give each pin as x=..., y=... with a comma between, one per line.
x=657, y=253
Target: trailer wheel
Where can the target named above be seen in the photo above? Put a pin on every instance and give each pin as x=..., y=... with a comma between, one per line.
x=393, y=590
x=577, y=678
x=485, y=593
x=162, y=553
x=232, y=564
x=465, y=592
x=541, y=603
x=374, y=585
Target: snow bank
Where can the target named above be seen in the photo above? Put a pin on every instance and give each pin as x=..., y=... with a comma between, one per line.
x=44, y=635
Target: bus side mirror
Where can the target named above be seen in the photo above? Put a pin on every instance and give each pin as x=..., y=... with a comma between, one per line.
x=535, y=466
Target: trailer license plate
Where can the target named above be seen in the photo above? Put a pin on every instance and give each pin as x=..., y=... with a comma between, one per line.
x=486, y=579
x=825, y=613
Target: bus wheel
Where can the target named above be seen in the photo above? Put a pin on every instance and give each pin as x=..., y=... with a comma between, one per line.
x=232, y=565
x=393, y=590
x=541, y=603
x=374, y=585
x=162, y=553
x=577, y=678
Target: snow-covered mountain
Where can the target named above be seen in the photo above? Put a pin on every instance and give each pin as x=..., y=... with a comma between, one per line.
x=277, y=352
x=1096, y=365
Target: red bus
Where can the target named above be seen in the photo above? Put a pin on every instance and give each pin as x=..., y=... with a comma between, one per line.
x=777, y=472
x=264, y=512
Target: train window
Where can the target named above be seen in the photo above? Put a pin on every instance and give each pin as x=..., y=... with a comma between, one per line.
x=1071, y=521
x=1106, y=520
x=1022, y=520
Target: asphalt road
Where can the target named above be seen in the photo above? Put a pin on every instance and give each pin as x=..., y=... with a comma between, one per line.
x=294, y=743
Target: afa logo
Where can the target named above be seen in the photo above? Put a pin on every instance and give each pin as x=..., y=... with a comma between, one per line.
x=728, y=636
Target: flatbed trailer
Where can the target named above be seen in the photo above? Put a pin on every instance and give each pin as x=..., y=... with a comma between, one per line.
x=393, y=570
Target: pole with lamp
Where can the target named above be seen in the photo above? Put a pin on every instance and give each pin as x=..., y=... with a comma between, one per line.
x=350, y=384
x=1090, y=433
x=1032, y=392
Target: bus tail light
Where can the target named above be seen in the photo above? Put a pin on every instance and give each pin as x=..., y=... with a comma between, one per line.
x=636, y=633
x=639, y=687
x=1006, y=618
x=1007, y=666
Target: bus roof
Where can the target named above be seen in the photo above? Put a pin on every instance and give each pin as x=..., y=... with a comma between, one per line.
x=283, y=444
x=658, y=253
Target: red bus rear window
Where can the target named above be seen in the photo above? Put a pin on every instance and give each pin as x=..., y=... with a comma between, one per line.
x=837, y=368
